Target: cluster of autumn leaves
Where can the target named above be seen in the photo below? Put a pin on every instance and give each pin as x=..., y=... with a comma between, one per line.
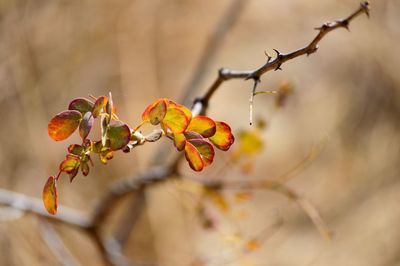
x=196, y=136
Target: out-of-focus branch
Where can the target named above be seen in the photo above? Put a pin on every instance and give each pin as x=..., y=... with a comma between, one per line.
x=34, y=205
x=279, y=187
x=225, y=74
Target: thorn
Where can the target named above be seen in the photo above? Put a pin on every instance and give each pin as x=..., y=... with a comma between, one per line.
x=365, y=7
x=278, y=54
x=268, y=56
x=278, y=67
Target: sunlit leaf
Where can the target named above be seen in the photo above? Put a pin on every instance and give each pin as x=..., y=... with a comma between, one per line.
x=205, y=149
x=75, y=149
x=119, y=135
x=82, y=105
x=179, y=141
x=155, y=112
x=69, y=164
x=175, y=120
x=85, y=168
x=109, y=107
x=86, y=125
x=184, y=109
x=99, y=106
x=250, y=142
x=193, y=157
x=49, y=196
x=104, y=128
x=202, y=125
x=62, y=125
x=223, y=138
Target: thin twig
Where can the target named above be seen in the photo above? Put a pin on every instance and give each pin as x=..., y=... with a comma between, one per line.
x=225, y=74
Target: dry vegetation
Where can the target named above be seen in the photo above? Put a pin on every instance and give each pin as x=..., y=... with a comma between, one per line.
x=347, y=97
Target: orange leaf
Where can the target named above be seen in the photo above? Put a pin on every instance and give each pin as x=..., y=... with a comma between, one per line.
x=62, y=125
x=49, y=196
x=70, y=164
x=155, y=112
x=193, y=157
x=205, y=149
x=185, y=110
x=202, y=125
x=223, y=138
x=175, y=120
x=99, y=105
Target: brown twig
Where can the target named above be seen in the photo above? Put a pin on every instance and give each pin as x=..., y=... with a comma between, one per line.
x=225, y=74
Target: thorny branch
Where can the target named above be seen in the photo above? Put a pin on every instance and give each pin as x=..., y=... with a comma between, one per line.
x=158, y=174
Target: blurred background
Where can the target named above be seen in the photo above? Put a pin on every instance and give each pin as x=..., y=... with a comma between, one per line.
x=347, y=97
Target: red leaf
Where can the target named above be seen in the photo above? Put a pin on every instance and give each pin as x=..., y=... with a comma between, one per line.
x=62, y=125
x=86, y=125
x=49, y=196
x=202, y=125
x=193, y=157
x=223, y=138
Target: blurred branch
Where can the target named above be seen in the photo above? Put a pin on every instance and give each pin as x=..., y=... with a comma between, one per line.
x=225, y=74
x=34, y=205
x=279, y=187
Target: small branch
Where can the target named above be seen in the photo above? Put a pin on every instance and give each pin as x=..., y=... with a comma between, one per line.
x=35, y=205
x=251, y=100
x=228, y=74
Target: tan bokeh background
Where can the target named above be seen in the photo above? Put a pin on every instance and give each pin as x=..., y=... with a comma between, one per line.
x=347, y=94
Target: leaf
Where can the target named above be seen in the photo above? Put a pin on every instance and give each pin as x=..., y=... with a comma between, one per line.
x=186, y=111
x=99, y=106
x=179, y=141
x=73, y=174
x=252, y=245
x=155, y=112
x=75, y=149
x=193, y=157
x=86, y=125
x=106, y=155
x=69, y=164
x=49, y=196
x=175, y=120
x=250, y=142
x=192, y=135
x=109, y=107
x=103, y=128
x=119, y=135
x=62, y=125
x=202, y=125
x=223, y=138
x=85, y=168
x=205, y=149
x=82, y=105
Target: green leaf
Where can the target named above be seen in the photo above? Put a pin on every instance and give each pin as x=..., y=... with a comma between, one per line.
x=82, y=105
x=75, y=149
x=119, y=135
x=62, y=125
x=86, y=125
x=49, y=196
x=155, y=112
x=193, y=157
x=99, y=106
x=69, y=164
x=104, y=128
x=175, y=120
x=223, y=137
x=202, y=125
x=205, y=149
